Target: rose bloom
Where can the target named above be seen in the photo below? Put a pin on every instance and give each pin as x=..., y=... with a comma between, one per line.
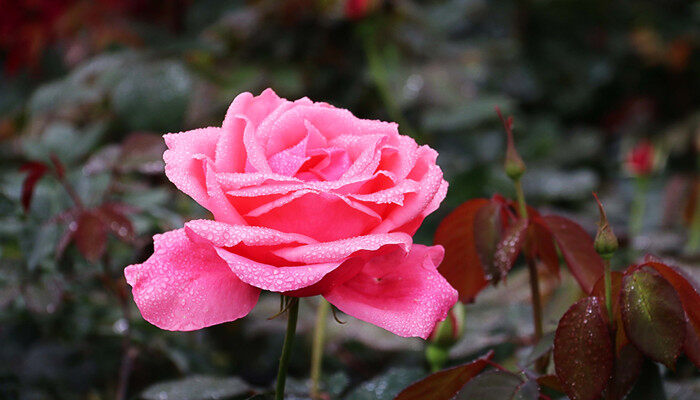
x=640, y=159
x=307, y=200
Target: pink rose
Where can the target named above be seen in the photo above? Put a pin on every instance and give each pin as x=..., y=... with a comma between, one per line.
x=307, y=200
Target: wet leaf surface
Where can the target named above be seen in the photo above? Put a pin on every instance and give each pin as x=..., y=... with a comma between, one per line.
x=443, y=385
x=577, y=247
x=652, y=315
x=461, y=266
x=583, y=351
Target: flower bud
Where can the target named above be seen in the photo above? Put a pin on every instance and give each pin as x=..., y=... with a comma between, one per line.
x=448, y=331
x=445, y=334
x=605, y=242
x=514, y=165
x=640, y=160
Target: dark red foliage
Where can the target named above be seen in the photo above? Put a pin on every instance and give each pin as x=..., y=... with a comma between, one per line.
x=583, y=350
x=35, y=170
x=444, y=385
x=483, y=237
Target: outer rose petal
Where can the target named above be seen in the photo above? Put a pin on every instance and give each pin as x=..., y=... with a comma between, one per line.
x=185, y=286
x=401, y=293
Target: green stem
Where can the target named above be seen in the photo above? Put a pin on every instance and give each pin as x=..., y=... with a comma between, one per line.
x=522, y=207
x=608, y=289
x=693, y=244
x=287, y=348
x=317, y=347
x=638, y=205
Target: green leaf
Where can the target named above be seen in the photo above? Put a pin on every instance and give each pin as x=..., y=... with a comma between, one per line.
x=499, y=385
x=583, y=350
x=443, y=385
x=153, y=97
x=652, y=315
x=386, y=385
x=197, y=388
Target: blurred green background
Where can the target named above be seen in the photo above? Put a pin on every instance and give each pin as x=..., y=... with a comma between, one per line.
x=95, y=84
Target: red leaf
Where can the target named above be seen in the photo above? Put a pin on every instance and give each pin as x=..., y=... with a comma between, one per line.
x=90, y=236
x=652, y=315
x=487, y=235
x=550, y=382
x=35, y=171
x=691, y=347
x=445, y=384
x=583, y=351
x=577, y=247
x=508, y=248
x=685, y=288
x=499, y=385
x=116, y=221
x=142, y=151
x=461, y=266
x=628, y=366
x=543, y=246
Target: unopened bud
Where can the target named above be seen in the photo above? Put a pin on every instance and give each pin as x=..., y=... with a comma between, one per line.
x=445, y=334
x=605, y=242
x=448, y=331
x=514, y=165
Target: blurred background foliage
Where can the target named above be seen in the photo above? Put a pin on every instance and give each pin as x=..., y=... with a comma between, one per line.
x=88, y=87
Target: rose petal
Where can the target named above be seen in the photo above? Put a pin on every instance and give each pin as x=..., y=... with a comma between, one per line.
x=226, y=235
x=401, y=293
x=322, y=216
x=408, y=217
x=273, y=278
x=342, y=249
x=185, y=286
x=181, y=165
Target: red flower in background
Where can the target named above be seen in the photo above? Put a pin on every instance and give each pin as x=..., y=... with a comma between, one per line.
x=639, y=161
x=356, y=9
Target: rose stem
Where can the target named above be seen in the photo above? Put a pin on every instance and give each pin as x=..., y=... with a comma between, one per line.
x=608, y=289
x=532, y=267
x=638, y=205
x=287, y=348
x=317, y=348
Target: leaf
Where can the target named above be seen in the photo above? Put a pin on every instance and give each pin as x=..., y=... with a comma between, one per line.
x=461, y=266
x=583, y=351
x=143, y=152
x=443, y=385
x=543, y=246
x=386, y=385
x=550, y=382
x=577, y=247
x=650, y=385
x=498, y=385
x=652, y=315
x=35, y=170
x=628, y=366
x=113, y=218
x=691, y=346
x=542, y=347
x=508, y=248
x=687, y=292
x=197, y=388
x=90, y=236
x=487, y=235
